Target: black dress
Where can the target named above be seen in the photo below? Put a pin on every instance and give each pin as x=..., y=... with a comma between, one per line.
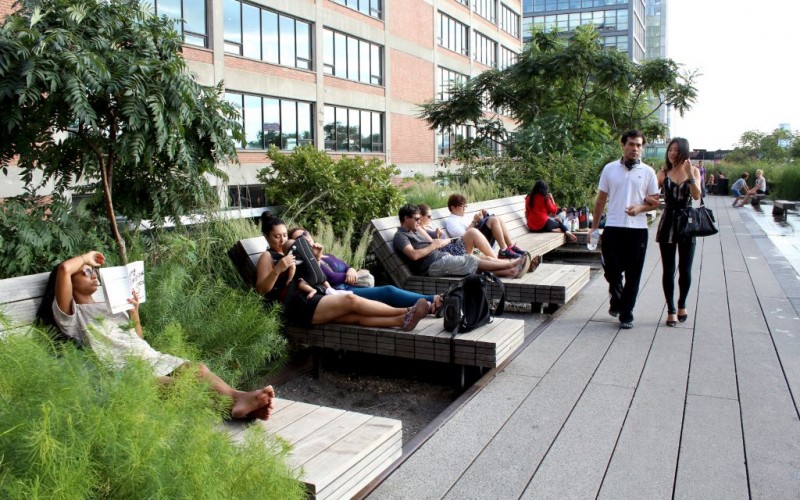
x=676, y=198
x=298, y=309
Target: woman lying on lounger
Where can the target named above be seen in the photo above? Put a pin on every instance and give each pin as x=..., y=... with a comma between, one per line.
x=343, y=277
x=304, y=306
x=68, y=305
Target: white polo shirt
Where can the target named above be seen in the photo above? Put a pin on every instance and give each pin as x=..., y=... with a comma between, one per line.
x=625, y=188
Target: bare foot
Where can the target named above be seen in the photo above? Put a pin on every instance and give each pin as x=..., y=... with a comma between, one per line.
x=437, y=303
x=572, y=238
x=253, y=404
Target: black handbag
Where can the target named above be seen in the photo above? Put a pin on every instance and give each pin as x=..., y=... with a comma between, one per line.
x=307, y=266
x=697, y=222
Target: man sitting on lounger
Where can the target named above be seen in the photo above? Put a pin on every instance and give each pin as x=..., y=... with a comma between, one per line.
x=424, y=257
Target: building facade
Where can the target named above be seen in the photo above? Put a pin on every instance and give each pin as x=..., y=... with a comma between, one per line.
x=347, y=76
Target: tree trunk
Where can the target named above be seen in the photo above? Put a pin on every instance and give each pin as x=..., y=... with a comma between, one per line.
x=105, y=173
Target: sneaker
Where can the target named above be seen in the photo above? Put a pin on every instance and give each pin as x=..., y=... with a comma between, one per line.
x=415, y=313
x=522, y=268
x=508, y=253
x=626, y=325
x=734, y=203
x=514, y=248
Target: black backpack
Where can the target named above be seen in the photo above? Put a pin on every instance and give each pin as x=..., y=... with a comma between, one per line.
x=466, y=306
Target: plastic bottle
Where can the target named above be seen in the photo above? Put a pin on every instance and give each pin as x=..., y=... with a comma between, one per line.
x=594, y=239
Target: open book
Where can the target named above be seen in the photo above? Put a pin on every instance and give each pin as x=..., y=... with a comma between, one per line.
x=119, y=283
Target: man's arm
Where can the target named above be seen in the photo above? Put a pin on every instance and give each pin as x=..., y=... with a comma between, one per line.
x=599, y=206
x=420, y=253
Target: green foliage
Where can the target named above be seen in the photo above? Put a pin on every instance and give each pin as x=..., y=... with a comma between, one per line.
x=783, y=178
x=99, y=91
x=315, y=188
x=342, y=247
x=435, y=193
x=780, y=145
x=36, y=234
x=71, y=429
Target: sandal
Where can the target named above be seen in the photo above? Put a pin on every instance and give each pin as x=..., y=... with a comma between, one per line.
x=415, y=314
x=683, y=317
x=436, y=305
x=671, y=322
x=535, y=261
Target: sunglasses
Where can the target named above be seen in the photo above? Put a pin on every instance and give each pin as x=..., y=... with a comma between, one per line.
x=304, y=234
x=417, y=218
x=89, y=272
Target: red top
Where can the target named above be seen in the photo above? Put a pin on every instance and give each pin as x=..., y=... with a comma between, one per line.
x=542, y=208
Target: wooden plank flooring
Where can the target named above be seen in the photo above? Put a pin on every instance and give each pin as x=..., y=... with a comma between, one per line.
x=708, y=409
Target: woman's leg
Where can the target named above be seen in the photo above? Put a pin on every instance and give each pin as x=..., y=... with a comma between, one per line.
x=499, y=232
x=685, y=260
x=333, y=307
x=668, y=274
x=474, y=238
x=391, y=295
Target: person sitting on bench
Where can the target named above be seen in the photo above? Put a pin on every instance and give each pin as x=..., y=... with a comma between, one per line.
x=68, y=306
x=343, y=277
x=760, y=187
x=466, y=244
x=492, y=227
x=424, y=256
x=304, y=305
x=539, y=208
x=740, y=189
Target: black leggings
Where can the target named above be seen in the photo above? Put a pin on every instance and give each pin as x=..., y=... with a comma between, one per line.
x=685, y=257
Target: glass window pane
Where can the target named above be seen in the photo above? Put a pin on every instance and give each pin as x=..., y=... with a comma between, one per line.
x=341, y=129
x=376, y=65
x=364, y=58
x=272, y=122
x=236, y=100
x=354, y=130
x=327, y=51
x=194, y=13
x=269, y=36
x=251, y=31
x=329, y=128
x=377, y=133
x=303, y=46
x=252, y=122
x=304, y=133
x=341, y=55
x=352, y=59
x=287, y=43
x=288, y=125
x=233, y=21
x=366, y=131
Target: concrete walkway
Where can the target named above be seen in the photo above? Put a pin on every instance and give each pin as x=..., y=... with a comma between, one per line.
x=708, y=409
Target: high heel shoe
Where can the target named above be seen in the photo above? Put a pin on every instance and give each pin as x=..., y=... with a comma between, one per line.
x=671, y=322
x=683, y=317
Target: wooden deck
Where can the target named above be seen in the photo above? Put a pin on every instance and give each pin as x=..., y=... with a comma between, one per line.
x=708, y=409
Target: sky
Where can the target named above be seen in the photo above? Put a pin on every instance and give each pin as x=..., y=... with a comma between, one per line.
x=746, y=52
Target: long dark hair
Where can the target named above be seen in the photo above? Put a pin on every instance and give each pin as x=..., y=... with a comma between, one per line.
x=268, y=222
x=44, y=314
x=539, y=187
x=683, y=152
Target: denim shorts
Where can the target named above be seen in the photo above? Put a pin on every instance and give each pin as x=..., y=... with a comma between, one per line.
x=736, y=192
x=454, y=265
x=455, y=247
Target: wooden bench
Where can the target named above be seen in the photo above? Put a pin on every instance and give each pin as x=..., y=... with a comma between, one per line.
x=780, y=207
x=485, y=347
x=550, y=284
x=338, y=452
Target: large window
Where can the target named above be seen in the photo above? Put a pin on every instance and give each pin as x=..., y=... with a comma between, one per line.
x=487, y=9
x=453, y=35
x=448, y=78
x=616, y=42
x=485, y=50
x=353, y=130
x=190, y=19
x=553, y=5
x=603, y=20
x=371, y=8
x=509, y=21
x=246, y=196
x=447, y=138
x=507, y=57
x=352, y=58
x=271, y=121
x=257, y=33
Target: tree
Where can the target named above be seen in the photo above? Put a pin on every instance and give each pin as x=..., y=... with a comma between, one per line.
x=568, y=93
x=98, y=91
x=779, y=145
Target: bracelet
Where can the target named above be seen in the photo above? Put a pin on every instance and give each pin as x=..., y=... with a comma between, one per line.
x=691, y=180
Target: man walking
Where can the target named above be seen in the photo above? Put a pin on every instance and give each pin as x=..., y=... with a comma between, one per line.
x=630, y=189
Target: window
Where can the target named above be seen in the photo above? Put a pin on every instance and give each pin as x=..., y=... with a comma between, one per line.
x=453, y=35
x=353, y=130
x=602, y=20
x=190, y=19
x=370, y=8
x=487, y=9
x=257, y=33
x=485, y=51
x=447, y=78
x=509, y=21
x=507, y=57
x=447, y=138
x=352, y=58
x=246, y=196
x=271, y=121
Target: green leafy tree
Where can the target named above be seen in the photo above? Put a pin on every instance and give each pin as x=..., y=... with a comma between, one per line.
x=779, y=145
x=98, y=91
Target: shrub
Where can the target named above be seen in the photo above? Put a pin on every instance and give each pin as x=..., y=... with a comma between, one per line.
x=36, y=234
x=76, y=430
x=310, y=184
x=341, y=247
x=434, y=193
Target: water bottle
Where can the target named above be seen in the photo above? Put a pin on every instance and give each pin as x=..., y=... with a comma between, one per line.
x=594, y=239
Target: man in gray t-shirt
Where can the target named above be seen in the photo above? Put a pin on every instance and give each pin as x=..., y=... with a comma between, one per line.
x=424, y=257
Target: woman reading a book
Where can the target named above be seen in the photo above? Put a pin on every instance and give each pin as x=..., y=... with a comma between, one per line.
x=304, y=306
x=343, y=277
x=68, y=305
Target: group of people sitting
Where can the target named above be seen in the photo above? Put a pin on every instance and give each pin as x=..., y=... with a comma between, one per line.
x=69, y=307
x=742, y=192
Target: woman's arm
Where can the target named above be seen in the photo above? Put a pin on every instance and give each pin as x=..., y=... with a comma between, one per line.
x=64, y=277
x=335, y=270
x=552, y=208
x=134, y=314
x=267, y=273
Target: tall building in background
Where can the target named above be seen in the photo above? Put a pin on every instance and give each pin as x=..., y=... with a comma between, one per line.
x=621, y=23
x=656, y=46
x=347, y=76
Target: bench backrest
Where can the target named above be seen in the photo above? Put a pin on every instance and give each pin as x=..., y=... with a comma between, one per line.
x=20, y=297
x=245, y=254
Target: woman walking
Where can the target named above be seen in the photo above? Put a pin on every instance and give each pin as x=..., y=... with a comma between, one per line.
x=680, y=183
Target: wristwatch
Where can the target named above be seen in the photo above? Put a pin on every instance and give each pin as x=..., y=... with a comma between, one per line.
x=691, y=180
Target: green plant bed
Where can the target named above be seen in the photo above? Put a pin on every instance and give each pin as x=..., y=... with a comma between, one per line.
x=71, y=429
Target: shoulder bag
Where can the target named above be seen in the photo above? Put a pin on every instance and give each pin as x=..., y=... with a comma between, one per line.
x=697, y=222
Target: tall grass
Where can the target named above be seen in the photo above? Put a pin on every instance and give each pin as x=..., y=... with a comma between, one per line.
x=341, y=246
x=434, y=193
x=71, y=429
x=783, y=179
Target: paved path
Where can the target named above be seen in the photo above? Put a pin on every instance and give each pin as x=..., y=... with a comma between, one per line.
x=708, y=409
